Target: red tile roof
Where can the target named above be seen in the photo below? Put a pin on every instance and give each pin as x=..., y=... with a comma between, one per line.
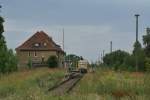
x=40, y=41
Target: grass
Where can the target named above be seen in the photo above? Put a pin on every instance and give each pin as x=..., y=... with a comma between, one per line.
x=101, y=85
x=29, y=84
x=110, y=85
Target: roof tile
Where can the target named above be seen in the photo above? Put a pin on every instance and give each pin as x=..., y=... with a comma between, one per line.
x=40, y=38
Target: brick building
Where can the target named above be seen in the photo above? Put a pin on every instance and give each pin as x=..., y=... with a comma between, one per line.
x=38, y=48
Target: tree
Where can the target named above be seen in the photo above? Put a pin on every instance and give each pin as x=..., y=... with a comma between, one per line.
x=1, y=27
x=129, y=63
x=30, y=65
x=2, y=38
x=146, y=42
x=115, y=59
x=147, y=64
x=8, y=60
x=52, y=61
x=139, y=56
x=133, y=60
x=3, y=48
x=74, y=59
x=137, y=47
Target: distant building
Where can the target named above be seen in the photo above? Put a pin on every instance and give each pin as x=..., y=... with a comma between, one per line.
x=38, y=48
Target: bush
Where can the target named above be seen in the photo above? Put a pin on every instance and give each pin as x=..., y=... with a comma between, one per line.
x=129, y=63
x=121, y=60
x=126, y=67
x=12, y=61
x=115, y=59
x=29, y=63
x=52, y=61
x=8, y=61
x=147, y=64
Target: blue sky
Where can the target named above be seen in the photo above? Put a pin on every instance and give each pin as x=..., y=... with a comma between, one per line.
x=89, y=24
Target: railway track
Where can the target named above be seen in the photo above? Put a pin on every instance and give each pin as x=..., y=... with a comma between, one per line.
x=67, y=85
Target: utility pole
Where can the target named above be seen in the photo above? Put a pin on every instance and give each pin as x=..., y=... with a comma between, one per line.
x=63, y=48
x=136, y=55
x=103, y=53
x=110, y=46
x=63, y=40
x=0, y=6
x=101, y=57
x=137, y=15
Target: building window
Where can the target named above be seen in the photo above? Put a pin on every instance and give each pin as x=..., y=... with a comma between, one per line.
x=35, y=54
x=29, y=54
x=45, y=44
x=36, y=44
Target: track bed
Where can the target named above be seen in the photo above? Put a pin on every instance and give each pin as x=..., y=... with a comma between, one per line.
x=67, y=85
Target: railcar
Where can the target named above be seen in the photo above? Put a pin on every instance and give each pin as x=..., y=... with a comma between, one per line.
x=83, y=66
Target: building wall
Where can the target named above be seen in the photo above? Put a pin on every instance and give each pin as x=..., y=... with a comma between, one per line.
x=24, y=56
x=61, y=59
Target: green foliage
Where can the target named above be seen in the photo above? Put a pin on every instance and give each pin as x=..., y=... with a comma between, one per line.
x=21, y=86
x=29, y=63
x=146, y=39
x=120, y=60
x=147, y=64
x=52, y=61
x=115, y=59
x=137, y=47
x=140, y=57
x=2, y=39
x=12, y=61
x=73, y=58
x=141, y=60
x=146, y=42
x=93, y=65
x=8, y=61
x=101, y=85
x=1, y=27
x=6, y=91
x=129, y=63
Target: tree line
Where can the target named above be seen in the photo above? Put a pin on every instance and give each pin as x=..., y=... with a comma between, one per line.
x=138, y=60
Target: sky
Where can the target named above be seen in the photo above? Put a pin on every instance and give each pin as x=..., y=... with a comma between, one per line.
x=89, y=25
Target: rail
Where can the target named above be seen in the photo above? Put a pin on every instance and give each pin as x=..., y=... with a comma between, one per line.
x=67, y=85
